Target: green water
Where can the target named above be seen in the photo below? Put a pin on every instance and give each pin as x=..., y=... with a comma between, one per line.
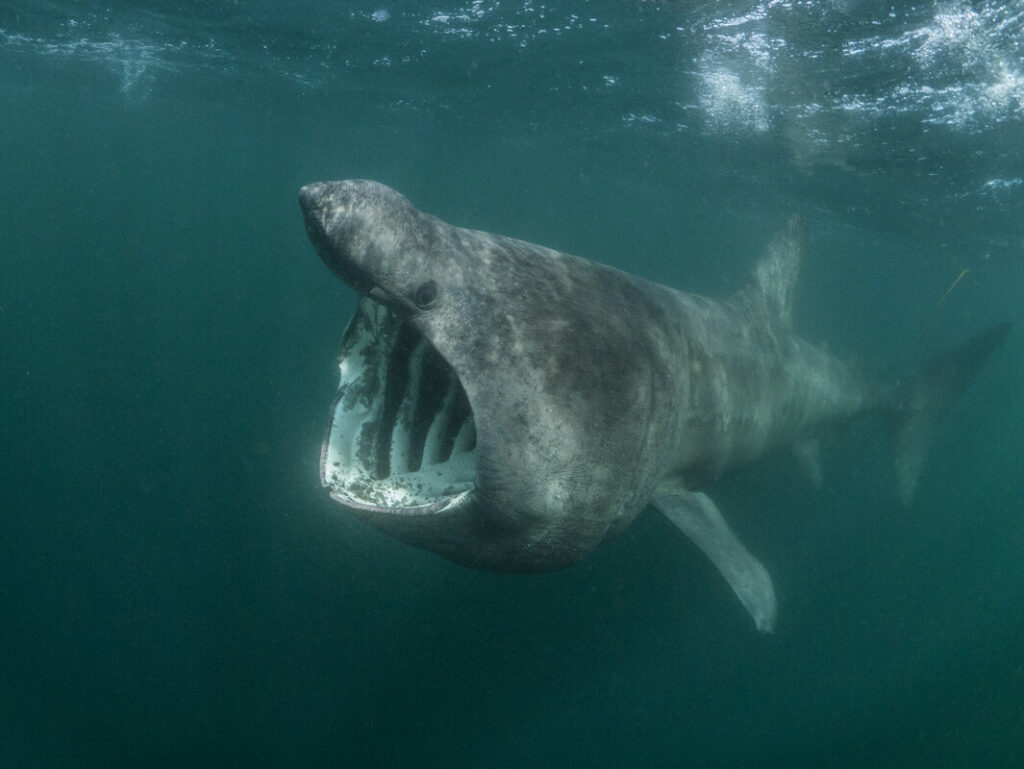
x=177, y=590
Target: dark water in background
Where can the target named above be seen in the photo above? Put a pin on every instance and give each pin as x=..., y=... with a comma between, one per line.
x=176, y=590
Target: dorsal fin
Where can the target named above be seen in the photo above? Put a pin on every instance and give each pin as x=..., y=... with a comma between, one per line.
x=770, y=290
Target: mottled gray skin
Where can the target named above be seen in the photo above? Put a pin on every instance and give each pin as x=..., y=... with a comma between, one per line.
x=592, y=390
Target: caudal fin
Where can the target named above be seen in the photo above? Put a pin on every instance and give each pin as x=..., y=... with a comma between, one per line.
x=921, y=400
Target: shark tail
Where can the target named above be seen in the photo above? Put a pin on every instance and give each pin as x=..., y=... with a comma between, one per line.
x=919, y=402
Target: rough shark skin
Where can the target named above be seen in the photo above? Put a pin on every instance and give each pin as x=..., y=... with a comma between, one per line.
x=511, y=407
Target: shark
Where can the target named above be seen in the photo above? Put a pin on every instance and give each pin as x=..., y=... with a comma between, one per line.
x=511, y=407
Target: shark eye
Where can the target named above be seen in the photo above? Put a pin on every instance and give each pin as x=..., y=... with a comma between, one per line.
x=425, y=294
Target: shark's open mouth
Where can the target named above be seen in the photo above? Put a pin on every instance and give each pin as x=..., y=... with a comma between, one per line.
x=401, y=438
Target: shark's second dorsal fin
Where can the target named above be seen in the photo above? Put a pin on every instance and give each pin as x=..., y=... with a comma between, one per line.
x=769, y=292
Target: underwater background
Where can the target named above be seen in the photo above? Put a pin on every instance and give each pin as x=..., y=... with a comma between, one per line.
x=177, y=590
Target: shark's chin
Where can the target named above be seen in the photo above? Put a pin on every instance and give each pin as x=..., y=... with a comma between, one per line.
x=401, y=438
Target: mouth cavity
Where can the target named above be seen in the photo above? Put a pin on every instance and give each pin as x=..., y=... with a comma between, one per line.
x=401, y=438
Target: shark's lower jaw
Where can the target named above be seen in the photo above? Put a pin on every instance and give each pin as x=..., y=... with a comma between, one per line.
x=401, y=438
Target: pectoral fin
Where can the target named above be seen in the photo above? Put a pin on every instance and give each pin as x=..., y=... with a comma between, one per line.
x=698, y=518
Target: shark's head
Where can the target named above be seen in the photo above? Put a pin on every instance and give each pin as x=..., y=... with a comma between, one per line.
x=495, y=396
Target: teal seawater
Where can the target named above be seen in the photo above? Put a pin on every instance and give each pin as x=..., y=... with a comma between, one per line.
x=176, y=589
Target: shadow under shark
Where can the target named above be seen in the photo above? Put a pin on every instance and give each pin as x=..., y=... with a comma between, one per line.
x=511, y=407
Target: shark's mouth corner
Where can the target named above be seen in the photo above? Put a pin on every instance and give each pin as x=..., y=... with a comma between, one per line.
x=401, y=438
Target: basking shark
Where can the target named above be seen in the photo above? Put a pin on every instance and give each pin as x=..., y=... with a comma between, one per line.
x=511, y=407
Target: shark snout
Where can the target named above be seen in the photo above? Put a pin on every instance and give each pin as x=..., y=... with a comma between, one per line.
x=312, y=196
x=316, y=204
x=321, y=209
x=325, y=203
x=336, y=220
